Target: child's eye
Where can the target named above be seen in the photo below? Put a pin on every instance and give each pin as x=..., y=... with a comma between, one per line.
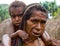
x=20, y=15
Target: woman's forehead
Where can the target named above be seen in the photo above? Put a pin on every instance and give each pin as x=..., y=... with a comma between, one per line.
x=38, y=14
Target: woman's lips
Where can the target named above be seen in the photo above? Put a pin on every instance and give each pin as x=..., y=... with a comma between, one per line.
x=35, y=32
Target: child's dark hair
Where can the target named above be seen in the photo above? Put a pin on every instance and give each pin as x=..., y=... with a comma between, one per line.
x=16, y=4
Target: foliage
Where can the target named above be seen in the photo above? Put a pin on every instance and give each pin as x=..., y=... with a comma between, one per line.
x=3, y=12
x=52, y=7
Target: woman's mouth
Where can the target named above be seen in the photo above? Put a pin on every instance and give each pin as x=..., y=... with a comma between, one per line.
x=35, y=34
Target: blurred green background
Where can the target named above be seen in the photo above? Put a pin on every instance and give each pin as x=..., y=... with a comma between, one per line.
x=52, y=7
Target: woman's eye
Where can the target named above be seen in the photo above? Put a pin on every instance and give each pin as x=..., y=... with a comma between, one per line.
x=42, y=22
x=34, y=21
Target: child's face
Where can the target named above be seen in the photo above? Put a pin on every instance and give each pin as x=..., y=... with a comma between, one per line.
x=16, y=15
x=36, y=24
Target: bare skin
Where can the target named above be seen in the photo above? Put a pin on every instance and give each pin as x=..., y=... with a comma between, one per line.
x=32, y=41
x=35, y=27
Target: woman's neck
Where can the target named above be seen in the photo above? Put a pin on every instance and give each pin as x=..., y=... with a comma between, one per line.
x=30, y=39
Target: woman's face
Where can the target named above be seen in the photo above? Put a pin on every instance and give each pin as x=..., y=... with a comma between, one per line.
x=36, y=24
